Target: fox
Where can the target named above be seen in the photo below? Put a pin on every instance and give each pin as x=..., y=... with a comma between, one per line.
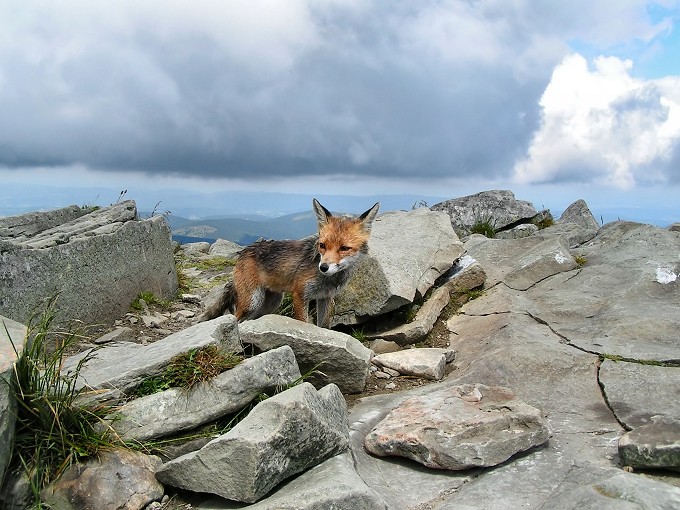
x=315, y=268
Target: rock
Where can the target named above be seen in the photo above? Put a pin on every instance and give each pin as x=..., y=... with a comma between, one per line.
x=621, y=491
x=121, y=367
x=579, y=214
x=334, y=356
x=333, y=484
x=12, y=342
x=576, y=226
x=499, y=207
x=423, y=322
x=382, y=346
x=459, y=428
x=224, y=248
x=282, y=436
x=675, y=227
x=25, y=226
x=120, y=334
x=518, y=232
x=196, y=249
x=622, y=383
x=466, y=274
x=117, y=479
x=546, y=259
x=83, y=260
x=407, y=251
x=655, y=445
x=177, y=409
x=428, y=363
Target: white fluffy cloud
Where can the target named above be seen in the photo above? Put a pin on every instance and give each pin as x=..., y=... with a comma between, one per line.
x=602, y=125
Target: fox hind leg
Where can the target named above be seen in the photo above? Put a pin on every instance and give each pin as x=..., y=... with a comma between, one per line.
x=262, y=301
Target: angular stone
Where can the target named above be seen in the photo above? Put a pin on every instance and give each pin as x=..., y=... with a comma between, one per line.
x=546, y=259
x=116, y=479
x=12, y=342
x=176, y=410
x=282, y=436
x=334, y=356
x=122, y=366
x=407, y=251
x=459, y=428
x=499, y=207
x=428, y=363
x=224, y=248
x=579, y=214
x=121, y=334
x=655, y=445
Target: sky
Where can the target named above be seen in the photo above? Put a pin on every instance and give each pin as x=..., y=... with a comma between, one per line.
x=554, y=100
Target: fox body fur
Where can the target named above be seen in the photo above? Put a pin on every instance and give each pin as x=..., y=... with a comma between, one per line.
x=311, y=269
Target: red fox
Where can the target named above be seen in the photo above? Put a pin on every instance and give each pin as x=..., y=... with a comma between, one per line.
x=312, y=269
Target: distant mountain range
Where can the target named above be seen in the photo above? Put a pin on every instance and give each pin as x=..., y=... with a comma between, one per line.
x=242, y=230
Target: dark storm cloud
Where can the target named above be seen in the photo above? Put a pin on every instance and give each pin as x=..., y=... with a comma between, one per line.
x=384, y=88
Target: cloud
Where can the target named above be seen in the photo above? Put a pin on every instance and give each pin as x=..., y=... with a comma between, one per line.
x=601, y=125
x=264, y=88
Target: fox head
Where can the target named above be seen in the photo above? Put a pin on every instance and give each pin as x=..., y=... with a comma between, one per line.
x=342, y=240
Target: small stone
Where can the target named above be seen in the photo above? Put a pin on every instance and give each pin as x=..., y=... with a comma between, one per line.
x=390, y=386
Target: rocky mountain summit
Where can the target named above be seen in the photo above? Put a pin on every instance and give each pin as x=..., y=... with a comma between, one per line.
x=538, y=368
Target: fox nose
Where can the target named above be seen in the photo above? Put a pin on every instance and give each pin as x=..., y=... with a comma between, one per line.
x=323, y=267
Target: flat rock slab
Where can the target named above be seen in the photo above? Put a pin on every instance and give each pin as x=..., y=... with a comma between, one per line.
x=281, y=437
x=428, y=363
x=460, y=427
x=655, y=445
x=637, y=392
x=175, y=410
x=334, y=357
x=122, y=366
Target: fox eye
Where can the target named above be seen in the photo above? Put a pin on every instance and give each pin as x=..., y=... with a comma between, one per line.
x=345, y=248
x=322, y=246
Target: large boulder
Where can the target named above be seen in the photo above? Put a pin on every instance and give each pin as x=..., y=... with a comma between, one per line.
x=499, y=208
x=97, y=262
x=281, y=437
x=407, y=252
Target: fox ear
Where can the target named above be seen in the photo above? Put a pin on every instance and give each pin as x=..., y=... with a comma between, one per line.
x=322, y=214
x=368, y=217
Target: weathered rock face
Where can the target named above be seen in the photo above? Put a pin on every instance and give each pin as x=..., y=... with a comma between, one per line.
x=499, y=207
x=117, y=479
x=337, y=358
x=12, y=341
x=282, y=436
x=458, y=428
x=407, y=251
x=97, y=262
x=655, y=445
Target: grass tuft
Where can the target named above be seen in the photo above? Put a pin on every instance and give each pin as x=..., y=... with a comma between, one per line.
x=53, y=430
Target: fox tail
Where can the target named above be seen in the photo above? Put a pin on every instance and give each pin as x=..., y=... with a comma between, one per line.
x=223, y=302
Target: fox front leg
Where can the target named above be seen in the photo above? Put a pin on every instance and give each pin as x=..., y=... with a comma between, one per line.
x=300, y=307
x=323, y=312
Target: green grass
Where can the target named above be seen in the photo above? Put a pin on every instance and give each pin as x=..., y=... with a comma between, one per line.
x=474, y=293
x=188, y=369
x=150, y=299
x=485, y=225
x=215, y=264
x=53, y=430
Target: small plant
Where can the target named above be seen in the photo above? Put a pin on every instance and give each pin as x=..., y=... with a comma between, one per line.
x=580, y=260
x=188, y=369
x=53, y=430
x=359, y=334
x=474, y=293
x=485, y=225
x=286, y=306
x=150, y=299
x=543, y=220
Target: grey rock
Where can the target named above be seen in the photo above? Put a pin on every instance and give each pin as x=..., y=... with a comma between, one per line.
x=224, y=248
x=116, y=479
x=637, y=392
x=83, y=260
x=578, y=213
x=428, y=363
x=282, y=436
x=197, y=248
x=466, y=274
x=675, y=227
x=459, y=428
x=120, y=334
x=120, y=367
x=655, y=445
x=25, y=226
x=407, y=252
x=622, y=491
x=381, y=346
x=12, y=343
x=499, y=207
x=334, y=356
x=333, y=484
x=518, y=232
x=548, y=258
x=176, y=410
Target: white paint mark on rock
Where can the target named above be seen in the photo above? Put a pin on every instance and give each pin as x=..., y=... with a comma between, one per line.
x=665, y=275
